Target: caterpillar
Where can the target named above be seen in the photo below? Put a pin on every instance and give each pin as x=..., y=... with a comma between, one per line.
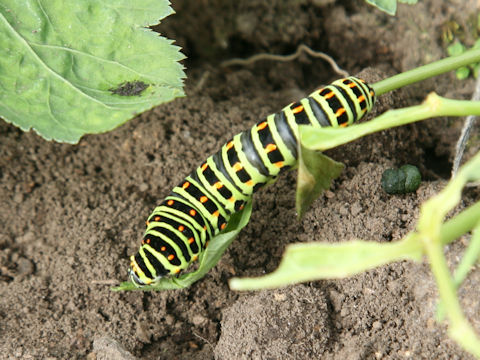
x=197, y=209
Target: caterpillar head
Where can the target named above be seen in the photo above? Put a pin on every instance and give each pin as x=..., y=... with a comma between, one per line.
x=137, y=276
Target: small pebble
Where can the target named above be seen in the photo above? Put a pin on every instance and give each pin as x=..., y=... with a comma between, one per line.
x=24, y=267
x=198, y=320
x=106, y=348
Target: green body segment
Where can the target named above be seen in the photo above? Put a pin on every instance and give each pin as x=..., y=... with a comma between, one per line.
x=198, y=208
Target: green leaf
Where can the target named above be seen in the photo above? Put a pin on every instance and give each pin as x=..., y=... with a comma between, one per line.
x=315, y=261
x=388, y=6
x=208, y=259
x=456, y=48
x=69, y=69
x=315, y=174
x=462, y=73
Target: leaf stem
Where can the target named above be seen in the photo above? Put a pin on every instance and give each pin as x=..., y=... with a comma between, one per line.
x=460, y=224
x=459, y=329
x=426, y=71
x=434, y=106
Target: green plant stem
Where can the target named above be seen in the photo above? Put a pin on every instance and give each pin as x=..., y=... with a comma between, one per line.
x=434, y=106
x=460, y=330
x=460, y=224
x=469, y=259
x=429, y=227
x=426, y=71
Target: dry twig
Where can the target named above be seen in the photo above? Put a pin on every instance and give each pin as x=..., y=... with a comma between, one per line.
x=284, y=58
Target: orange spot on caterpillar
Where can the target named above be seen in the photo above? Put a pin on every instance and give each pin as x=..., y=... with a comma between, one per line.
x=204, y=167
x=181, y=228
x=176, y=271
x=278, y=164
x=352, y=85
x=191, y=240
x=229, y=145
x=147, y=222
x=156, y=218
x=185, y=185
x=372, y=94
x=193, y=212
x=194, y=258
x=339, y=112
x=203, y=199
x=329, y=95
x=204, y=227
x=249, y=182
x=297, y=109
x=147, y=241
x=163, y=248
x=270, y=148
x=361, y=98
x=170, y=202
x=232, y=199
x=242, y=206
x=237, y=166
x=262, y=125
x=218, y=185
x=343, y=125
x=216, y=213
x=171, y=257
x=223, y=226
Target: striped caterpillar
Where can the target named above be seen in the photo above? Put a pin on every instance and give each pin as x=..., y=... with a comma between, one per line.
x=178, y=230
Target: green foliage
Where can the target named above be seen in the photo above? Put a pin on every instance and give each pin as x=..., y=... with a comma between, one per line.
x=312, y=164
x=85, y=67
x=208, y=259
x=429, y=230
x=304, y=262
x=315, y=174
x=464, y=72
x=325, y=138
x=389, y=6
x=401, y=181
x=314, y=261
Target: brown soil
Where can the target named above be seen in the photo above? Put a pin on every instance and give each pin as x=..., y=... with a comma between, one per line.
x=71, y=215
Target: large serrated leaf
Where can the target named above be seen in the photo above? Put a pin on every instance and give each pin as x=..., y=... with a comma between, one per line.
x=72, y=68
